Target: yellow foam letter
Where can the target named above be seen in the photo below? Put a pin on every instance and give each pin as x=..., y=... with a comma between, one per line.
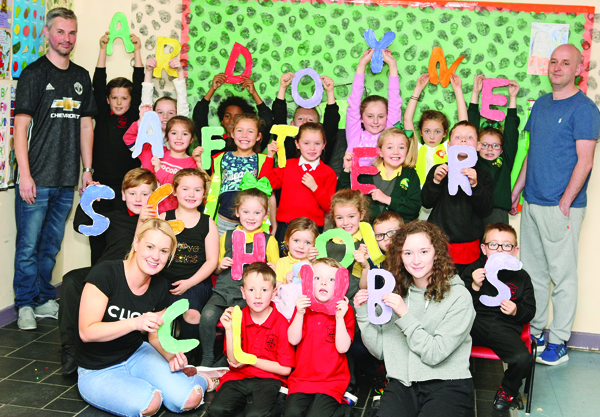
x=162, y=59
x=282, y=132
x=236, y=327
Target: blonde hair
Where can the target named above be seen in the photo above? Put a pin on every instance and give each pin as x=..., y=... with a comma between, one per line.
x=155, y=224
x=260, y=268
x=252, y=193
x=139, y=176
x=329, y=262
x=349, y=197
x=299, y=225
x=192, y=172
x=411, y=153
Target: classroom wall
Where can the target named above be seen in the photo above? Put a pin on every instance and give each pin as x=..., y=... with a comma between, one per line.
x=94, y=19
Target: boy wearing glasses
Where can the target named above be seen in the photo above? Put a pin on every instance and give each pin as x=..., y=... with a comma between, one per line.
x=499, y=328
x=497, y=149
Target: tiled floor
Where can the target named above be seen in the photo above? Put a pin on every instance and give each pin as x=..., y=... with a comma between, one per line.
x=31, y=384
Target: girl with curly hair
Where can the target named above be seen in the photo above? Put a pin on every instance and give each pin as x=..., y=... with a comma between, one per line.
x=426, y=344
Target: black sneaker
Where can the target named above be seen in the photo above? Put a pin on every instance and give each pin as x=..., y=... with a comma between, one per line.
x=505, y=401
x=375, y=406
x=67, y=358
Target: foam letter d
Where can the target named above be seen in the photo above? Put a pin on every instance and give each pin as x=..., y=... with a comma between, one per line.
x=236, y=51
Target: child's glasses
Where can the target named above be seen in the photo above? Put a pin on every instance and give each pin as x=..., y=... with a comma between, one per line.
x=506, y=247
x=380, y=236
x=495, y=146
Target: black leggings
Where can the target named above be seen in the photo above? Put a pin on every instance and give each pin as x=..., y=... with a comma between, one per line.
x=312, y=405
x=68, y=307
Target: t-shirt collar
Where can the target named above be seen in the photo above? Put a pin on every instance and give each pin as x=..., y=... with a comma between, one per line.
x=313, y=165
x=269, y=322
x=383, y=172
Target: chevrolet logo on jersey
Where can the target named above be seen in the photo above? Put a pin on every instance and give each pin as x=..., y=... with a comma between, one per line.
x=67, y=104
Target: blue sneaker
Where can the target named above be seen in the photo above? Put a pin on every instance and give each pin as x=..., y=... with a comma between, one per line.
x=541, y=343
x=554, y=354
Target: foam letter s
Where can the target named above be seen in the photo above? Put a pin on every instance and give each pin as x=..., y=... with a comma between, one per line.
x=358, y=169
x=455, y=177
x=495, y=263
x=91, y=194
x=375, y=295
x=282, y=132
x=316, y=98
x=488, y=98
x=149, y=121
x=240, y=257
x=235, y=54
x=377, y=58
x=162, y=59
x=209, y=144
x=123, y=33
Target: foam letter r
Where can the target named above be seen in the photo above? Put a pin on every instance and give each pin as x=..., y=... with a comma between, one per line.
x=455, y=177
x=162, y=59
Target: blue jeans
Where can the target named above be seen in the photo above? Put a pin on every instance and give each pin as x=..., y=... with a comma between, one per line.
x=40, y=231
x=127, y=388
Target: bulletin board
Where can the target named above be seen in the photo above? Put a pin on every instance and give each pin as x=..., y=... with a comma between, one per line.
x=28, y=33
x=285, y=36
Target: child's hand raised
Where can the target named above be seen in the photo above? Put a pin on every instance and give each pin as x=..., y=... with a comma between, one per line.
x=272, y=149
x=289, y=277
x=342, y=308
x=248, y=84
x=361, y=255
x=226, y=318
x=226, y=262
x=364, y=60
x=137, y=43
x=328, y=83
x=312, y=254
x=471, y=174
x=508, y=307
x=422, y=82
x=175, y=63
x=104, y=40
x=455, y=81
x=150, y=64
x=513, y=88
x=389, y=59
x=218, y=80
x=148, y=212
x=478, y=83
x=302, y=303
x=286, y=80
x=271, y=265
x=155, y=161
x=143, y=110
x=197, y=155
x=348, y=161
x=309, y=181
x=440, y=173
x=478, y=277
x=360, y=298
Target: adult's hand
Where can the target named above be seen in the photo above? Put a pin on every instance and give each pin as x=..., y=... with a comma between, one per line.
x=27, y=189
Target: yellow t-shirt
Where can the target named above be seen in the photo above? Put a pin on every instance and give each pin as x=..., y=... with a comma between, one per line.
x=283, y=266
x=272, y=250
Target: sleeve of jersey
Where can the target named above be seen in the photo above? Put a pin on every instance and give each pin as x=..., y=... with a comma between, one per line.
x=136, y=92
x=350, y=322
x=325, y=191
x=102, y=276
x=272, y=250
x=131, y=135
x=274, y=175
x=183, y=107
x=586, y=124
x=27, y=95
x=279, y=112
x=394, y=102
x=99, y=86
x=147, y=91
x=353, y=128
x=407, y=203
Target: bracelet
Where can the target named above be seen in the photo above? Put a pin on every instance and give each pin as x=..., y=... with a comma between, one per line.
x=414, y=98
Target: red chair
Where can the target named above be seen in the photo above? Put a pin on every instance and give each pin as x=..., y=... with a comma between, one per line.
x=487, y=353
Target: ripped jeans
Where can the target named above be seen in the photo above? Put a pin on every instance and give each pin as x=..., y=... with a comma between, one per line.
x=127, y=388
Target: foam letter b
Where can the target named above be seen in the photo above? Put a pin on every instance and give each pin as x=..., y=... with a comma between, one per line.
x=495, y=263
x=162, y=59
x=209, y=144
x=316, y=98
x=282, y=132
x=377, y=58
x=358, y=169
x=235, y=54
x=91, y=194
x=149, y=132
x=488, y=98
x=240, y=257
x=123, y=33
x=455, y=177
x=375, y=295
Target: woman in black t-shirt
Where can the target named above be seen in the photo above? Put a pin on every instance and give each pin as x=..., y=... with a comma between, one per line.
x=118, y=371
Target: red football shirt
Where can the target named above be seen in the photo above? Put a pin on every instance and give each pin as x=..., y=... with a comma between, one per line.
x=267, y=341
x=320, y=368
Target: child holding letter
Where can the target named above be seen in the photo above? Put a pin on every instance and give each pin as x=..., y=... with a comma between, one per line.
x=497, y=149
x=397, y=183
x=251, y=207
x=426, y=345
x=460, y=216
x=318, y=382
x=499, y=328
x=263, y=334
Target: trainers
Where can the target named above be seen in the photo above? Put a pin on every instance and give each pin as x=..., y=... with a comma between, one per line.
x=554, y=354
x=48, y=309
x=504, y=401
x=26, y=319
x=349, y=399
x=375, y=406
x=67, y=358
x=541, y=343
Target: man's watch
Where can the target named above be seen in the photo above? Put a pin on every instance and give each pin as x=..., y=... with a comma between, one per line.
x=90, y=170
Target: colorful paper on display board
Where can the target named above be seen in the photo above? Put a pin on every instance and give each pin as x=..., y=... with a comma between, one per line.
x=7, y=156
x=28, y=33
x=5, y=48
x=6, y=14
x=283, y=36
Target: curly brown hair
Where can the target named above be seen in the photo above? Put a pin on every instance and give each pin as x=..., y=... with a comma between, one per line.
x=443, y=267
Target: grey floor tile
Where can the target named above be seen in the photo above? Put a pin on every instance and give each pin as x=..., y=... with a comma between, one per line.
x=12, y=411
x=36, y=371
x=16, y=338
x=28, y=394
x=52, y=337
x=6, y=350
x=546, y=410
x=58, y=379
x=70, y=406
x=93, y=412
x=72, y=394
x=37, y=350
x=42, y=327
x=9, y=366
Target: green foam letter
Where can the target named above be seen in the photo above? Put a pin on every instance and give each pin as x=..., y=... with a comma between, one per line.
x=167, y=341
x=122, y=33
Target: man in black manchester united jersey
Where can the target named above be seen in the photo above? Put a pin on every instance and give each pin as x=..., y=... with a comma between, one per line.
x=53, y=128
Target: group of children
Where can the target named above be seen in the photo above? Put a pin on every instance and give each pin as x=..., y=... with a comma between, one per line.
x=425, y=355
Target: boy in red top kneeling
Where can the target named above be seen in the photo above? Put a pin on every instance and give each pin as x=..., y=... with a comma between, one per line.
x=264, y=334
x=321, y=376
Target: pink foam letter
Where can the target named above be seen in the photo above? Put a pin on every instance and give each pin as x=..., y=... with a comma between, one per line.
x=358, y=169
x=488, y=98
x=308, y=288
x=240, y=257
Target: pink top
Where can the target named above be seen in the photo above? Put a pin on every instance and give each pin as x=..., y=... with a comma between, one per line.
x=355, y=135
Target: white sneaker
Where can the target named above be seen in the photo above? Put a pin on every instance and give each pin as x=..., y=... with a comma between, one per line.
x=48, y=309
x=26, y=319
